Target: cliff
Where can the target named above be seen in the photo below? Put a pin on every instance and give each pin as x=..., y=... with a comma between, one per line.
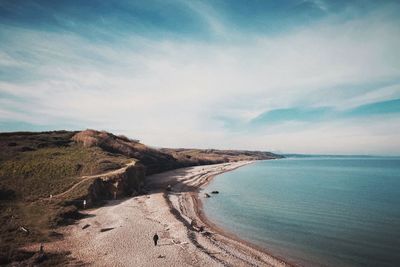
x=46, y=177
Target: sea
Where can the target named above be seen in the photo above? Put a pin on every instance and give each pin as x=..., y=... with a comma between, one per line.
x=314, y=211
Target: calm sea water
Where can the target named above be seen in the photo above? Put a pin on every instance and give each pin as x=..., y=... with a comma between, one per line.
x=314, y=211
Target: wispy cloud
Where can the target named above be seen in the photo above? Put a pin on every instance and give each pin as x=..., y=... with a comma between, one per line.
x=201, y=76
x=320, y=114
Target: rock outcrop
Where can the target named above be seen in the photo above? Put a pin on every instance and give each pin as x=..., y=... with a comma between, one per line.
x=159, y=160
x=58, y=172
x=127, y=183
x=154, y=160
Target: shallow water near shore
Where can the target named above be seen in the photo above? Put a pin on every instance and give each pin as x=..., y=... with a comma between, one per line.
x=314, y=211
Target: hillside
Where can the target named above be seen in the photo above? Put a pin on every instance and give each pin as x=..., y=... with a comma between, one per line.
x=44, y=178
x=190, y=157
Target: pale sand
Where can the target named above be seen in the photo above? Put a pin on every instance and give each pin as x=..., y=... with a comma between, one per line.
x=132, y=223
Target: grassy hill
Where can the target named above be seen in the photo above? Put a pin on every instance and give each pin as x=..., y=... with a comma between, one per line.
x=34, y=166
x=192, y=157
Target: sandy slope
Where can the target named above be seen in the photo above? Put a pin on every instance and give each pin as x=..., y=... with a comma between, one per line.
x=131, y=223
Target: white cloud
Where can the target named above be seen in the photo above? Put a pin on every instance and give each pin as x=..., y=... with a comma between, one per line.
x=374, y=135
x=168, y=92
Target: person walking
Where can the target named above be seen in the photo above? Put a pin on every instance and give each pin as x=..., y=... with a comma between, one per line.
x=155, y=239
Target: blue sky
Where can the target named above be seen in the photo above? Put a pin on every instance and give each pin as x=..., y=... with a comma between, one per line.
x=311, y=76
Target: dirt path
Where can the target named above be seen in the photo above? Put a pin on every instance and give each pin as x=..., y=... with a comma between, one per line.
x=89, y=177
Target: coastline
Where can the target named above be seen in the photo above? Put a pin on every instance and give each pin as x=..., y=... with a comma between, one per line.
x=259, y=254
x=120, y=233
x=231, y=236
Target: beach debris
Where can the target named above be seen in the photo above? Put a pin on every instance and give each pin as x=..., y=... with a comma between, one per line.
x=84, y=204
x=85, y=226
x=24, y=229
x=179, y=243
x=106, y=229
x=215, y=192
x=207, y=195
x=161, y=256
x=196, y=226
x=176, y=242
x=55, y=234
x=193, y=224
x=207, y=233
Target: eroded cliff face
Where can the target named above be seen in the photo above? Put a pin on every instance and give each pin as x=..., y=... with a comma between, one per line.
x=127, y=183
x=153, y=159
x=159, y=160
x=71, y=168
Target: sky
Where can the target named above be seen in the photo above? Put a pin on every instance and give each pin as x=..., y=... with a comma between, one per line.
x=288, y=76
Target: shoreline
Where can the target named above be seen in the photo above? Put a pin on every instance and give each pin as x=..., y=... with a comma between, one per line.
x=120, y=233
x=203, y=217
x=205, y=220
x=227, y=237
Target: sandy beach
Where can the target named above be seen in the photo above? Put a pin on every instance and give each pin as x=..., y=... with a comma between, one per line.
x=120, y=233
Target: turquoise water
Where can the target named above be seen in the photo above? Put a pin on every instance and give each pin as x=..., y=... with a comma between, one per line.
x=314, y=211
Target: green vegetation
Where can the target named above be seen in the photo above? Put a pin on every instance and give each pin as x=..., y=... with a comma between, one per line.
x=33, y=167
x=35, y=174
x=190, y=157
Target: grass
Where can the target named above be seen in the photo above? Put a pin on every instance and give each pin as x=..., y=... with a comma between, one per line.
x=36, y=174
x=33, y=166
